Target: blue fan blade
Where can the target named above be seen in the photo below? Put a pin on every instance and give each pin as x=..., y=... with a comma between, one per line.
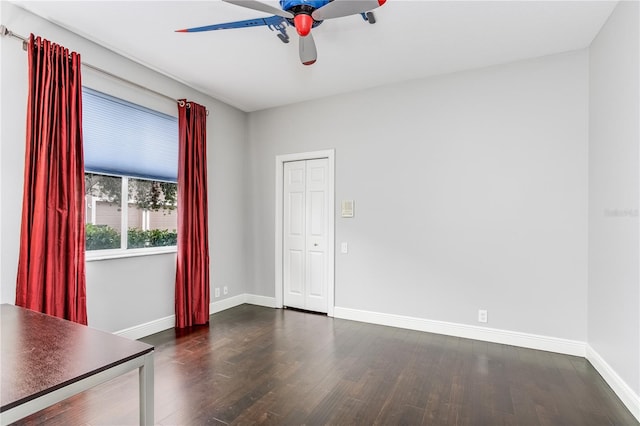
x=271, y=21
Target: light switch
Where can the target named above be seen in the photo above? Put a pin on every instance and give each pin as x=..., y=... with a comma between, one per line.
x=347, y=208
x=344, y=248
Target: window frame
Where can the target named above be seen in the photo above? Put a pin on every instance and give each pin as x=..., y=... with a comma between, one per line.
x=123, y=251
x=105, y=254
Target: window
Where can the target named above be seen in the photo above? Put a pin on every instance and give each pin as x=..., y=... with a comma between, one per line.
x=131, y=157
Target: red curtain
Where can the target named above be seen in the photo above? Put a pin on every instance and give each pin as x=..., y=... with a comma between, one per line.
x=192, y=269
x=51, y=269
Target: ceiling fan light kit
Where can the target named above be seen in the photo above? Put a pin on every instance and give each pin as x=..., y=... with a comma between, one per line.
x=304, y=15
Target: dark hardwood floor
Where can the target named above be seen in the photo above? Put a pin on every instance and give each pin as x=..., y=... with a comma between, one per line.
x=256, y=365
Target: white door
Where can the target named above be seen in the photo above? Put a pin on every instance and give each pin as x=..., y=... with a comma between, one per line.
x=305, y=227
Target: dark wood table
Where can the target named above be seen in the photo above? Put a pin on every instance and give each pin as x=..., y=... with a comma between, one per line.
x=46, y=359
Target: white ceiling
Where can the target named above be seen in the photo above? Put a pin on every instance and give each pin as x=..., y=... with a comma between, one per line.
x=251, y=69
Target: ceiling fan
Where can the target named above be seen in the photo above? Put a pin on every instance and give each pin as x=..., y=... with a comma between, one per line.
x=302, y=14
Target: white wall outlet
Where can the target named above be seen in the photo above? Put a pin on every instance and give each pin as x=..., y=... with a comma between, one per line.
x=344, y=248
x=225, y=289
x=217, y=292
x=482, y=315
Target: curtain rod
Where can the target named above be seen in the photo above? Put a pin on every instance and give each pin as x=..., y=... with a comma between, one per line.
x=4, y=31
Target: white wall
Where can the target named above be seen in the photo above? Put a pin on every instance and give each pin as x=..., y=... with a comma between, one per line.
x=470, y=192
x=123, y=293
x=614, y=185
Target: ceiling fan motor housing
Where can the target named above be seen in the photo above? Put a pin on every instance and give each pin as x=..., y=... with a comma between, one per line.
x=303, y=20
x=292, y=5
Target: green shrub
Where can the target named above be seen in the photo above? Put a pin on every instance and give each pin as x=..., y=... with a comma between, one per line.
x=162, y=237
x=100, y=237
x=151, y=238
x=136, y=238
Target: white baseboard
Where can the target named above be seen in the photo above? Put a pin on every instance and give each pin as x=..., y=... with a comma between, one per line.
x=628, y=397
x=525, y=340
x=161, y=324
x=514, y=338
x=148, y=328
x=254, y=299
x=228, y=303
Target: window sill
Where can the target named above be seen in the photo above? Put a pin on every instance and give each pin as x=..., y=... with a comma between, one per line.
x=95, y=255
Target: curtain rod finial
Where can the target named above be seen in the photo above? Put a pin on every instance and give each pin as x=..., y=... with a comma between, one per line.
x=6, y=32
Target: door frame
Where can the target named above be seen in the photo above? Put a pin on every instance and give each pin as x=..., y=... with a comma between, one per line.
x=329, y=154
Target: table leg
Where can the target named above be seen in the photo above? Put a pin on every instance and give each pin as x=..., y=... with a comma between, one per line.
x=146, y=390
